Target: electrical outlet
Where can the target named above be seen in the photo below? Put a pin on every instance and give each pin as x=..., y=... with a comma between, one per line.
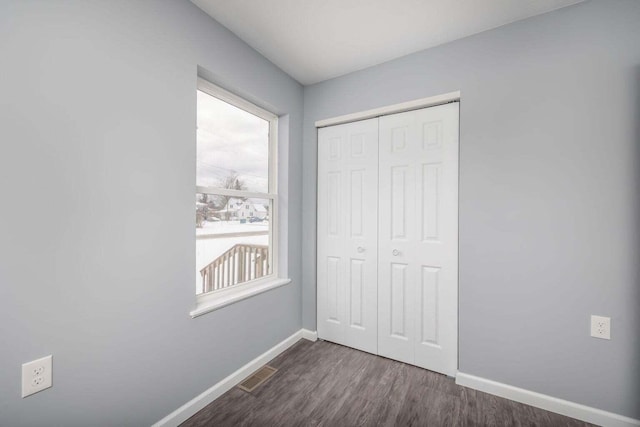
x=36, y=376
x=601, y=327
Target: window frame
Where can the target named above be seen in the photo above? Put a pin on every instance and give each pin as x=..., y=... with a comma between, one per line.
x=209, y=301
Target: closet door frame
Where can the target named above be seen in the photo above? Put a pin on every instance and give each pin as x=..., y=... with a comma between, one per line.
x=416, y=104
x=388, y=110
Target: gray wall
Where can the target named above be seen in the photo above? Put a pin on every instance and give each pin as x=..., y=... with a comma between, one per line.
x=549, y=194
x=97, y=172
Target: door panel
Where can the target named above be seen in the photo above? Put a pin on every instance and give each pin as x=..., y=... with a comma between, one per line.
x=333, y=295
x=399, y=304
x=429, y=305
x=347, y=234
x=356, y=295
x=418, y=212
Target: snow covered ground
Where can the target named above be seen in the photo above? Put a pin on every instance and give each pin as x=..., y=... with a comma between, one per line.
x=218, y=227
x=209, y=247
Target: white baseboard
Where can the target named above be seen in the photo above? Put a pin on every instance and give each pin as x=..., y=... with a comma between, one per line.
x=310, y=335
x=542, y=401
x=190, y=408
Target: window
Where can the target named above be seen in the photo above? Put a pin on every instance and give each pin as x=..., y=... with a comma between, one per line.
x=236, y=197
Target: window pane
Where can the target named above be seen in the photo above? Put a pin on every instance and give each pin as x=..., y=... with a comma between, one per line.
x=233, y=147
x=232, y=241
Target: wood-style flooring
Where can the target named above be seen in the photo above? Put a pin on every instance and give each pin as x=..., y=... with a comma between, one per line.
x=325, y=384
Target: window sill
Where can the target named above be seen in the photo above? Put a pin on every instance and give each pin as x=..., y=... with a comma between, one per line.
x=215, y=300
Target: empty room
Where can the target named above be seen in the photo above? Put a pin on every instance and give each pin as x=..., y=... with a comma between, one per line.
x=319, y=213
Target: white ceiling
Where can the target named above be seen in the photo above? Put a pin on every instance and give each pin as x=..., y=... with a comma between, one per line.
x=315, y=40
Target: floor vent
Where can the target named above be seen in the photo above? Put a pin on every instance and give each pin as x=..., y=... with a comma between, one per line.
x=257, y=378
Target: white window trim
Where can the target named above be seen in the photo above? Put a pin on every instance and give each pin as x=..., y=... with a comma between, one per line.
x=214, y=300
x=221, y=298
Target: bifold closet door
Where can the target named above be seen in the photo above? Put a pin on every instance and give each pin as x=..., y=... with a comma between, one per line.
x=418, y=238
x=347, y=234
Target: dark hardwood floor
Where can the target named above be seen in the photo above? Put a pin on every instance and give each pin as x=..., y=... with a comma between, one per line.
x=325, y=384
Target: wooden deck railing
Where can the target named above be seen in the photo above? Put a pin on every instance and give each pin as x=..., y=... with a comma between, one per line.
x=239, y=264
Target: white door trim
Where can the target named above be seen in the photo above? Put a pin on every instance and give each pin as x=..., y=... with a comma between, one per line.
x=391, y=109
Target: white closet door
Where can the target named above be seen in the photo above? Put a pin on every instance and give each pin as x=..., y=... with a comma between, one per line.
x=347, y=234
x=418, y=238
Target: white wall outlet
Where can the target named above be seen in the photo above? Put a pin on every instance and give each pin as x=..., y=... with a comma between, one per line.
x=601, y=327
x=36, y=376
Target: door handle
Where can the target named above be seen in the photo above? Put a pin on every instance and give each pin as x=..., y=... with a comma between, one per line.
x=360, y=249
x=395, y=252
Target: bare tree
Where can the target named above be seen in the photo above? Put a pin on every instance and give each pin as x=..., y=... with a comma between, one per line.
x=231, y=182
x=201, y=209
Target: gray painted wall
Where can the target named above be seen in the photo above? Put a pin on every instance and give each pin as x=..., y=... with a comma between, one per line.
x=97, y=172
x=549, y=194
x=97, y=121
